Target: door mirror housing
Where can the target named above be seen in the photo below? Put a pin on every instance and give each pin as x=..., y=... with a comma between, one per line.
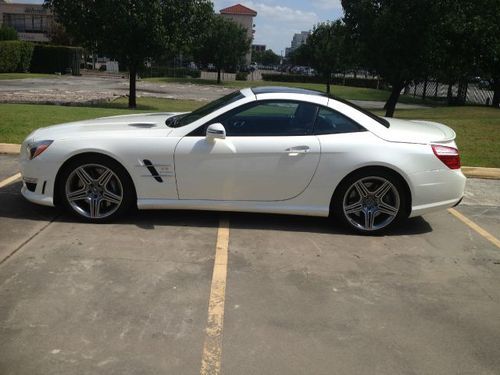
x=215, y=131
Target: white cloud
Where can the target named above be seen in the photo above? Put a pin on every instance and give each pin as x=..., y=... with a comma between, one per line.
x=327, y=4
x=276, y=24
x=282, y=13
x=278, y=20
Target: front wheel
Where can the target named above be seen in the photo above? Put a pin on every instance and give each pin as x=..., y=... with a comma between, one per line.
x=370, y=202
x=96, y=189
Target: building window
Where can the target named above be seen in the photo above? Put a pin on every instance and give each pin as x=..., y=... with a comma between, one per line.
x=27, y=23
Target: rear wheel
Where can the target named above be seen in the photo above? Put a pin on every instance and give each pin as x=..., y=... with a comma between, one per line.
x=96, y=189
x=370, y=202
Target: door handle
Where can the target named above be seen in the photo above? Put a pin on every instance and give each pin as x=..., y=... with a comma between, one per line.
x=297, y=150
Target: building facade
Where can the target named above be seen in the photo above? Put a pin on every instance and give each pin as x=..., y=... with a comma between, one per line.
x=243, y=16
x=297, y=40
x=31, y=21
x=258, y=47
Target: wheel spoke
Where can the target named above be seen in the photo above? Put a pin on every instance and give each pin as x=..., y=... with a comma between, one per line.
x=84, y=176
x=386, y=208
x=353, y=208
x=369, y=218
x=104, y=178
x=77, y=195
x=111, y=197
x=95, y=207
x=382, y=190
x=361, y=189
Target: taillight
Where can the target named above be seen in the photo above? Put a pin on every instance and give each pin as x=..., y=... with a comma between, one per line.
x=448, y=155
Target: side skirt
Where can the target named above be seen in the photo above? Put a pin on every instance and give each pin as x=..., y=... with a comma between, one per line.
x=237, y=206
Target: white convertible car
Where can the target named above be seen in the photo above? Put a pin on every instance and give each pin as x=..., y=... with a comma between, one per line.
x=268, y=149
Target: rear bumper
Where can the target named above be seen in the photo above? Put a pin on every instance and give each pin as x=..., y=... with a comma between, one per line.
x=436, y=190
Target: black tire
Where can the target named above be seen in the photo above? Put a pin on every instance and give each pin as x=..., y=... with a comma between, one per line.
x=371, y=206
x=120, y=180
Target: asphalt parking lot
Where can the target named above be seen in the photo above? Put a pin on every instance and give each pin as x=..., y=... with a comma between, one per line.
x=302, y=296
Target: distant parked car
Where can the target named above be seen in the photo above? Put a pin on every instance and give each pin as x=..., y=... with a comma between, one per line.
x=277, y=150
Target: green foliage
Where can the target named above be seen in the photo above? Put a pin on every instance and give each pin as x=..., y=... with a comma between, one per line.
x=241, y=76
x=325, y=47
x=52, y=59
x=15, y=56
x=7, y=33
x=267, y=57
x=394, y=38
x=223, y=44
x=132, y=30
x=300, y=56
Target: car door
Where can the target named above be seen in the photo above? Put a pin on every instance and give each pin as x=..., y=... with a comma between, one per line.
x=269, y=154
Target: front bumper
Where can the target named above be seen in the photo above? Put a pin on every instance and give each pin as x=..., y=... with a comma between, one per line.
x=38, y=180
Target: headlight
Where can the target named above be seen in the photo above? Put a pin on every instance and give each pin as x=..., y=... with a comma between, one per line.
x=36, y=148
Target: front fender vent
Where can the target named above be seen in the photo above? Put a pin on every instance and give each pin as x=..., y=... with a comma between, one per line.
x=152, y=170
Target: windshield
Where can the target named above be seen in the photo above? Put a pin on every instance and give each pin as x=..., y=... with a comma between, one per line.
x=188, y=118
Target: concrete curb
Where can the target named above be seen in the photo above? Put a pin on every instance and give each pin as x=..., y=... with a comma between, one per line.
x=472, y=172
x=481, y=172
x=9, y=148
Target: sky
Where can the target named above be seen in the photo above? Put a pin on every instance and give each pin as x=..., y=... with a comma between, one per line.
x=278, y=20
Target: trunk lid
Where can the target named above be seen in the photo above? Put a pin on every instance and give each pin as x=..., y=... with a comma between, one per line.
x=417, y=131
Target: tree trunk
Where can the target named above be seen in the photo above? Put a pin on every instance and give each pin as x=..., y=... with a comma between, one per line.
x=449, y=95
x=218, y=75
x=328, y=84
x=496, y=92
x=132, y=104
x=390, y=105
x=424, y=94
x=462, y=92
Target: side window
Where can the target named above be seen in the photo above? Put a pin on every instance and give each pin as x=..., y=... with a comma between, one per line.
x=272, y=118
x=333, y=122
x=267, y=118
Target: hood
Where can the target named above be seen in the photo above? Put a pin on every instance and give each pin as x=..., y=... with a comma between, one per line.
x=417, y=131
x=137, y=123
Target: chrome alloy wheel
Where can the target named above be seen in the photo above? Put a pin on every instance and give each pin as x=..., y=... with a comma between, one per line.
x=94, y=191
x=371, y=203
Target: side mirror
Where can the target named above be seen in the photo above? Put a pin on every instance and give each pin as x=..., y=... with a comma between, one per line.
x=216, y=130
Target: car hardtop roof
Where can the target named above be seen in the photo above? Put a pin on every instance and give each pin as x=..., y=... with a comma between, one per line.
x=285, y=90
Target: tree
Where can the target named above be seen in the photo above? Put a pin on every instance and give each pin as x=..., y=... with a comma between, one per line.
x=7, y=33
x=488, y=29
x=131, y=30
x=223, y=44
x=395, y=38
x=59, y=36
x=300, y=56
x=326, y=49
x=267, y=57
x=457, y=49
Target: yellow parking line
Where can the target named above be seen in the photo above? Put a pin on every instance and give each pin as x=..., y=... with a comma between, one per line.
x=10, y=180
x=212, y=349
x=476, y=227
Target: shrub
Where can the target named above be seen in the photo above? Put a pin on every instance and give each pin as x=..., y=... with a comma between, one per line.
x=8, y=33
x=348, y=81
x=241, y=76
x=52, y=59
x=291, y=78
x=15, y=56
x=163, y=71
